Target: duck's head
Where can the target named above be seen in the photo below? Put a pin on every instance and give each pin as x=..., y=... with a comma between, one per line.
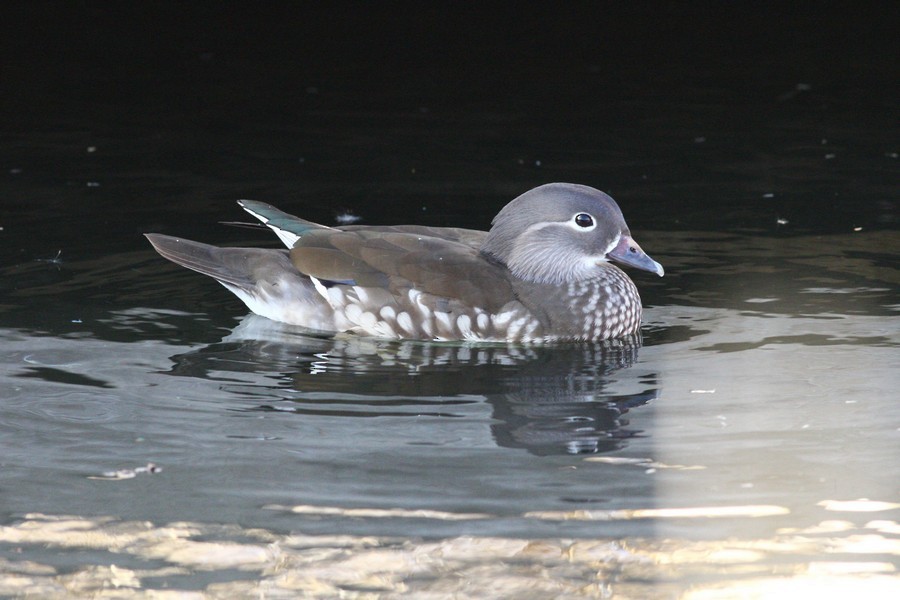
x=561, y=233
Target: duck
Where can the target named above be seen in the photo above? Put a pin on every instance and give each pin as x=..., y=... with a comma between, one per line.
x=543, y=273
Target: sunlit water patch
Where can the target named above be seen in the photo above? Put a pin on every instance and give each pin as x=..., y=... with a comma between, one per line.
x=195, y=560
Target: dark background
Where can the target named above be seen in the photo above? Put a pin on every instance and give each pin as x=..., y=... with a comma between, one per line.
x=124, y=117
x=112, y=53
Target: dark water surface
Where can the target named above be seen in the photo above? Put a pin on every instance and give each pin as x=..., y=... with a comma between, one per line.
x=750, y=444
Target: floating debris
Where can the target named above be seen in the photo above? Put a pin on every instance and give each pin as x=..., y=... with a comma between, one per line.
x=379, y=513
x=150, y=469
x=753, y=511
x=56, y=260
x=347, y=218
x=648, y=463
x=859, y=505
x=798, y=89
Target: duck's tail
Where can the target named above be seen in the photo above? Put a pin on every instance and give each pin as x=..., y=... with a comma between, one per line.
x=265, y=280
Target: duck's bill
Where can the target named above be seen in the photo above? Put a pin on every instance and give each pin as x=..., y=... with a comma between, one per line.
x=627, y=252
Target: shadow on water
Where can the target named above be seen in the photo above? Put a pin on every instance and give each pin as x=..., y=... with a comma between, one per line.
x=546, y=400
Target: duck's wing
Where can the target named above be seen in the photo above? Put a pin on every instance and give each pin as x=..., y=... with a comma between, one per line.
x=468, y=237
x=402, y=259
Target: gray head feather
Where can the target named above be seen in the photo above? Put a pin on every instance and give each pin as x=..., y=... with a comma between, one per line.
x=537, y=238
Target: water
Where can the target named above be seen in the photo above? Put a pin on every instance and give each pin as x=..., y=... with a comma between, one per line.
x=748, y=445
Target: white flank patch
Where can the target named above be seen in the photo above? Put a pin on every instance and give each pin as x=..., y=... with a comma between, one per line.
x=501, y=319
x=285, y=309
x=427, y=328
x=353, y=313
x=336, y=298
x=405, y=323
x=368, y=321
x=442, y=320
x=515, y=327
x=362, y=294
x=464, y=322
x=383, y=329
x=416, y=297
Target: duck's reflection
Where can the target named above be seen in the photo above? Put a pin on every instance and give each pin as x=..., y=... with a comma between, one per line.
x=546, y=400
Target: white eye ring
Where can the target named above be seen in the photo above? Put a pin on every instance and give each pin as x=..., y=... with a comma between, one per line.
x=584, y=222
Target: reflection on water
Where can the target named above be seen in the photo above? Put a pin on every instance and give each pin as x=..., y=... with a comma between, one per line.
x=732, y=451
x=546, y=400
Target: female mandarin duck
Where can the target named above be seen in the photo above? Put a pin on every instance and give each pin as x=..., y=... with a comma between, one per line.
x=541, y=274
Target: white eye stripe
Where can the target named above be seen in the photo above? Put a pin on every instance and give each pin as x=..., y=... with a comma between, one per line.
x=583, y=221
x=571, y=224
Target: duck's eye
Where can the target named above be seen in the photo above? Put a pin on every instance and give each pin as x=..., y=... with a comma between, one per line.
x=584, y=220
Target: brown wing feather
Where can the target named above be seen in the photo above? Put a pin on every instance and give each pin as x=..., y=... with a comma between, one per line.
x=468, y=237
x=443, y=267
